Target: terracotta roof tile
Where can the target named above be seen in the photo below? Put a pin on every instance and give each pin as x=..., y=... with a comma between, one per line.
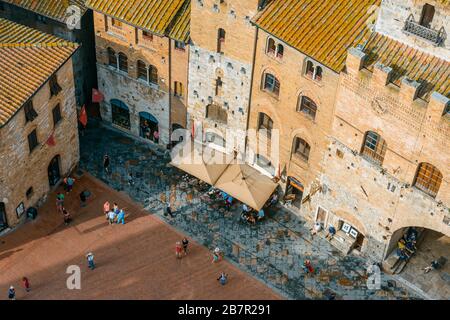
x=27, y=59
x=152, y=15
x=431, y=71
x=181, y=27
x=321, y=29
x=55, y=9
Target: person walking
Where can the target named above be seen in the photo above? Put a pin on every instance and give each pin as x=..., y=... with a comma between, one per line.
x=67, y=218
x=178, y=249
x=59, y=202
x=111, y=216
x=223, y=278
x=185, y=243
x=216, y=255
x=308, y=267
x=169, y=210
x=130, y=179
x=11, y=293
x=121, y=217
x=106, y=209
x=26, y=284
x=90, y=260
x=116, y=208
x=69, y=183
x=106, y=163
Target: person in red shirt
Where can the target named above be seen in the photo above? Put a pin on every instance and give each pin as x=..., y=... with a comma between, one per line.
x=178, y=250
x=26, y=284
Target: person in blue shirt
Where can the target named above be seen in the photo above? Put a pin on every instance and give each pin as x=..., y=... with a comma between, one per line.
x=121, y=217
x=223, y=278
x=261, y=214
x=331, y=232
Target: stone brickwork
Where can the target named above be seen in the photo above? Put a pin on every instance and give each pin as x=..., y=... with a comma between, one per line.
x=21, y=169
x=233, y=65
x=138, y=94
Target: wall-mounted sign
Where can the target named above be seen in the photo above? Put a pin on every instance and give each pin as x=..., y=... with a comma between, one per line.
x=20, y=210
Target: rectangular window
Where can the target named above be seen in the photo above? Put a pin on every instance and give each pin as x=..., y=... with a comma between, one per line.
x=30, y=113
x=32, y=140
x=54, y=86
x=179, y=45
x=271, y=84
x=116, y=23
x=178, y=89
x=56, y=114
x=147, y=36
x=220, y=39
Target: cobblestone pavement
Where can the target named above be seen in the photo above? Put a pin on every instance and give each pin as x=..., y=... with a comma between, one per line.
x=273, y=250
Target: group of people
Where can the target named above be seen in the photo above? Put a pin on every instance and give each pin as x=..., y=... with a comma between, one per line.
x=251, y=216
x=12, y=291
x=406, y=246
x=114, y=214
x=147, y=132
x=181, y=247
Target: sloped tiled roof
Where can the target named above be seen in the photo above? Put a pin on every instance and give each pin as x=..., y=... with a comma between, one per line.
x=181, y=27
x=412, y=63
x=55, y=9
x=28, y=57
x=321, y=29
x=156, y=16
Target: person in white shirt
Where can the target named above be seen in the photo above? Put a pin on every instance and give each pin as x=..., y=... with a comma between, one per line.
x=111, y=216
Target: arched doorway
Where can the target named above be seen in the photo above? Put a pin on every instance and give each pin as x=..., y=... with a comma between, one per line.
x=178, y=133
x=54, y=173
x=3, y=222
x=294, y=192
x=120, y=114
x=148, y=125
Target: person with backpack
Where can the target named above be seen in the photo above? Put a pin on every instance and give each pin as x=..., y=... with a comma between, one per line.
x=90, y=260
x=11, y=293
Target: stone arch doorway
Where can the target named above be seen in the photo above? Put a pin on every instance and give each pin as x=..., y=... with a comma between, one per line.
x=54, y=171
x=148, y=125
x=3, y=221
x=294, y=192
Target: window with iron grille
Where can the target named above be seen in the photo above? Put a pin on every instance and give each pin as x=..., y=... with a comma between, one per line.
x=307, y=106
x=265, y=123
x=112, y=59
x=55, y=88
x=30, y=113
x=32, y=140
x=428, y=179
x=302, y=148
x=374, y=147
x=123, y=62
x=271, y=84
x=56, y=114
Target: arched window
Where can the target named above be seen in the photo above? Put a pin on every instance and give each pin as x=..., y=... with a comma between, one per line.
x=153, y=75
x=428, y=179
x=318, y=73
x=280, y=51
x=307, y=106
x=301, y=148
x=310, y=69
x=112, y=60
x=123, y=62
x=271, y=84
x=142, y=70
x=216, y=113
x=374, y=147
x=265, y=123
x=120, y=114
x=270, y=46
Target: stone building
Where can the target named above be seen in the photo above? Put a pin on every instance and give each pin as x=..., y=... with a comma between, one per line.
x=220, y=70
x=142, y=64
x=67, y=19
x=386, y=167
x=296, y=77
x=38, y=117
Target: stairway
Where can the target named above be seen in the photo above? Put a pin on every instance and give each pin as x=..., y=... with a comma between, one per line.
x=342, y=242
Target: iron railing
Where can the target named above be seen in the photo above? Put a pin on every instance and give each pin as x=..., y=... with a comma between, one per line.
x=415, y=28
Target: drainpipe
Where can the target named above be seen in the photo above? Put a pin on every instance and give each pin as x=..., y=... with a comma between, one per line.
x=170, y=90
x=251, y=88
